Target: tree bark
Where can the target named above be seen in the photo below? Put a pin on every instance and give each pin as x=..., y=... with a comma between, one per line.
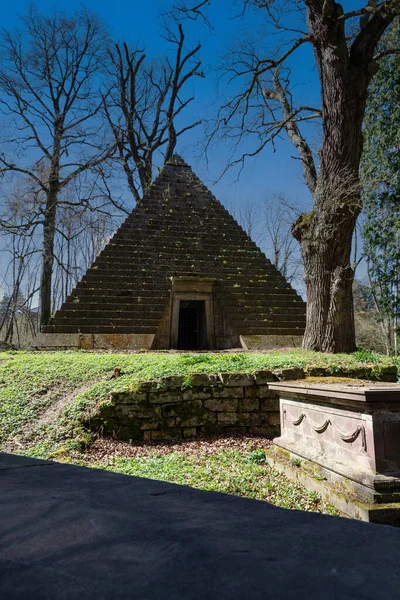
x=49, y=229
x=326, y=249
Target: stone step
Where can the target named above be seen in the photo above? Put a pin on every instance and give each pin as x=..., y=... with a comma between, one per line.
x=271, y=321
x=280, y=309
x=239, y=291
x=168, y=220
x=115, y=257
x=120, y=257
x=245, y=330
x=204, y=245
x=163, y=272
x=87, y=308
x=108, y=320
x=154, y=291
x=282, y=305
x=159, y=271
x=97, y=329
x=221, y=278
x=110, y=301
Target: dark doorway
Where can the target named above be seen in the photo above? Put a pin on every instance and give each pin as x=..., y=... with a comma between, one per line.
x=192, y=325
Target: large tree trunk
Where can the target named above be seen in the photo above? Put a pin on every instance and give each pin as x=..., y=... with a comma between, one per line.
x=49, y=228
x=326, y=248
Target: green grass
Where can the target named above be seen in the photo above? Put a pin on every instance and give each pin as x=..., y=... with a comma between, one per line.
x=30, y=382
x=228, y=471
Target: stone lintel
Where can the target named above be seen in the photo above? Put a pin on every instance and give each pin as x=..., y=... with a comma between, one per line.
x=192, y=283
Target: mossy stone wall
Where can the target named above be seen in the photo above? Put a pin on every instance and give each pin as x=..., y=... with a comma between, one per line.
x=182, y=407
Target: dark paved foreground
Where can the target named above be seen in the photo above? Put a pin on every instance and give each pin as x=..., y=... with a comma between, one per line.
x=69, y=532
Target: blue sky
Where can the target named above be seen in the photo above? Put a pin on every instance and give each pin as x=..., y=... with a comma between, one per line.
x=139, y=22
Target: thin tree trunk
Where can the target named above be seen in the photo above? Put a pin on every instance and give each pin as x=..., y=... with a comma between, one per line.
x=49, y=228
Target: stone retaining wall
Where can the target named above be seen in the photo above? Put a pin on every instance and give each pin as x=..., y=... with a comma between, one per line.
x=187, y=406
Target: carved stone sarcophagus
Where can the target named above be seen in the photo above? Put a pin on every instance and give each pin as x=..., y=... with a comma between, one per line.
x=351, y=432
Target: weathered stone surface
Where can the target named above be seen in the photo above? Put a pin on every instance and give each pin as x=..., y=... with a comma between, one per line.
x=129, y=397
x=270, y=342
x=249, y=404
x=172, y=383
x=228, y=418
x=202, y=379
x=270, y=404
x=164, y=397
x=291, y=373
x=264, y=430
x=257, y=391
x=227, y=392
x=263, y=377
x=57, y=340
x=197, y=394
x=189, y=432
x=196, y=420
x=274, y=418
x=258, y=419
x=222, y=405
x=236, y=379
x=183, y=409
x=150, y=425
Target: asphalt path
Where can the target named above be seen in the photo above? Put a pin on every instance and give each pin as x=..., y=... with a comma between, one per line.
x=71, y=533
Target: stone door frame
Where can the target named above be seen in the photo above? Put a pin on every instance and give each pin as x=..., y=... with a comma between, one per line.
x=192, y=288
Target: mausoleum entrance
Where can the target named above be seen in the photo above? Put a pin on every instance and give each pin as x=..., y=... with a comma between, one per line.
x=192, y=318
x=192, y=329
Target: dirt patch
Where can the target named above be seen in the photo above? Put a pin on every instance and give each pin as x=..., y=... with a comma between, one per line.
x=55, y=409
x=104, y=449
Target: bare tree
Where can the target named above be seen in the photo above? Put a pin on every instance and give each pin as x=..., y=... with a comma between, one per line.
x=20, y=280
x=81, y=235
x=145, y=106
x=280, y=244
x=247, y=214
x=50, y=82
x=346, y=55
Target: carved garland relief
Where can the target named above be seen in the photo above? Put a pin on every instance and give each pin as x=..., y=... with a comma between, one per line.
x=345, y=437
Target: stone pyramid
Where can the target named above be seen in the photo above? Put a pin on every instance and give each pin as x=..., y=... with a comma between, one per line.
x=179, y=273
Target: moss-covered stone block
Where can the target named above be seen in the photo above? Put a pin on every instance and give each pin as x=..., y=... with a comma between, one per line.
x=197, y=394
x=227, y=418
x=248, y=404
x=168, y=397
x=264, y=377
x=184, y=409
x=236, y=379
x=228, y=392
x=222, y=404
x=293, y=373
x=202, y=379
x=269, y=404
x=259, y=391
